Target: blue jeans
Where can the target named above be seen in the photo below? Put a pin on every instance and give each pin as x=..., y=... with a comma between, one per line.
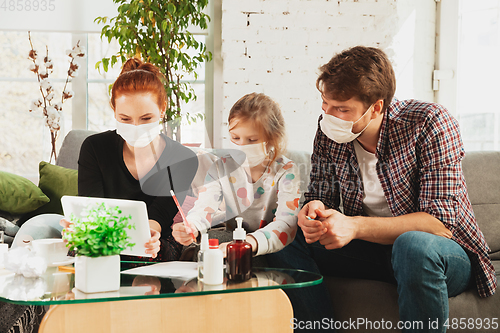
x=428, y=270
x=417, y=260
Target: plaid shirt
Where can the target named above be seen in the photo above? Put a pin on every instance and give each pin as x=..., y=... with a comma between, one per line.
x=419, y=167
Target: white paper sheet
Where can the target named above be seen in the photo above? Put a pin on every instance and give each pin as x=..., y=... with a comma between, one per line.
x=184, y=270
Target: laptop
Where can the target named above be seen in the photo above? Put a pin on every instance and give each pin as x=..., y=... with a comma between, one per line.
x=136, y=209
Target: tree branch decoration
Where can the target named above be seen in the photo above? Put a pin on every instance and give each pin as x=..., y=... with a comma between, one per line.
x=157, y=31
x=52, y=110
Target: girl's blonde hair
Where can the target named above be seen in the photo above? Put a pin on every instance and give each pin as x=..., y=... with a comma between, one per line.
x=265, y=113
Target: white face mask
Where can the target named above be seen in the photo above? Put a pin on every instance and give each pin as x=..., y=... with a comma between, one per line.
x=255, y=153
x=138, y=136
x=340, y=130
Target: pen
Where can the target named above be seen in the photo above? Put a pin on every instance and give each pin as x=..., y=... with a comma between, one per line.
x=186, y=223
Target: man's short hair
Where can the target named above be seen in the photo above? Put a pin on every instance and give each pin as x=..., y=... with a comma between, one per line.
x=361, y=72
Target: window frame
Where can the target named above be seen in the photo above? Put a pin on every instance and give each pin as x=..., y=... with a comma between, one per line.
x=447, y=60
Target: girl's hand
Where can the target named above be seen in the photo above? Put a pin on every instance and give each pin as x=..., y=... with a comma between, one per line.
x=153, y=245
x=181, y=236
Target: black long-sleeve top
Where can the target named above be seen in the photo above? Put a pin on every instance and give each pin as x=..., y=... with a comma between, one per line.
x=102, y=173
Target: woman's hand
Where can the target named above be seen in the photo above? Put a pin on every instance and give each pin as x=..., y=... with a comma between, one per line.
x=181, y=235
x=151, y=281
x=66, y=225
x=153, y=245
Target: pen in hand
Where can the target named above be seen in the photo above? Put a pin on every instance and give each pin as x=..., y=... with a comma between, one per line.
x=186, y=223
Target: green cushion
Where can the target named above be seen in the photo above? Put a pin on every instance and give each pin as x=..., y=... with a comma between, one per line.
x=18, y=195
x=56, y=181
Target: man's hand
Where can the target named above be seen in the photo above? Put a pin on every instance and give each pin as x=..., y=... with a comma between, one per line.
x=331, y=228
x=181, y=235
x=439, y=229
x=340, y=229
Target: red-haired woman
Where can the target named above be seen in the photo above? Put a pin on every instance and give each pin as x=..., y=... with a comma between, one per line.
x=133, y=162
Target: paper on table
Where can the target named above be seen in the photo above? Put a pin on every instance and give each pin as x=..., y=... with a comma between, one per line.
x=184, y=270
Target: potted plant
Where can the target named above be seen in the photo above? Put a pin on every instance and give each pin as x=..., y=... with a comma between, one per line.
x=97, y=239
x=157, y=31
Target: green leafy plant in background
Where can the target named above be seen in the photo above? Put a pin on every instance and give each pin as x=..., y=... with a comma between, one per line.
x=102, y=232
x=157, y=32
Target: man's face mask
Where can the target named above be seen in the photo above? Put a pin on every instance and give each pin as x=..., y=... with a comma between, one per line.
x=340, y=130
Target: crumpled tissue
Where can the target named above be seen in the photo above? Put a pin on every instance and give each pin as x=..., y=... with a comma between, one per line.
x=22, y=260
x=25, y=289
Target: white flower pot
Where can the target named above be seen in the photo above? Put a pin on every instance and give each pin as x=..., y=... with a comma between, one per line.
x=94, y=275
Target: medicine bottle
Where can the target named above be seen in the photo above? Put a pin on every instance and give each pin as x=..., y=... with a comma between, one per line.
x=239, y=255
x=201, y=255
x=213, y=264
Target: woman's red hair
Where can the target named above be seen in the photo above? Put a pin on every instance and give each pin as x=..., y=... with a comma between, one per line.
x=137, y=76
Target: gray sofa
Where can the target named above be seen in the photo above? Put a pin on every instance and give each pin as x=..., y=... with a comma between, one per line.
x=373, y=300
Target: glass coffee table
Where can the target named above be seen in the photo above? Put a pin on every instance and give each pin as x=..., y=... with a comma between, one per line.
x=146, y=303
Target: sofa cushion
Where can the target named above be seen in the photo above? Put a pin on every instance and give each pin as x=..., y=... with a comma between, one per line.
x=9, y=216
x=18, y=195
x=55, y=181
x=483, y=184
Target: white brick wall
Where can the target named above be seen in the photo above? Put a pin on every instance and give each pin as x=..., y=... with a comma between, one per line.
x=276, y=46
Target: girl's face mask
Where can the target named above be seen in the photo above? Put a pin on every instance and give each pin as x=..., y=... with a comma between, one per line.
x=256, y=153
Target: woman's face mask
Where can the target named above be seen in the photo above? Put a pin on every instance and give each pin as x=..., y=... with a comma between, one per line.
x=340, y=130
x=137, y=108
x=138, y=136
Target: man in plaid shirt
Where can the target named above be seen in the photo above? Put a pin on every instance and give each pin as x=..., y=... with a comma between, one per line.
x=387, y=198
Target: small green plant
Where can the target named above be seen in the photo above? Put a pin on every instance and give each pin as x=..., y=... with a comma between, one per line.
x=102, y=232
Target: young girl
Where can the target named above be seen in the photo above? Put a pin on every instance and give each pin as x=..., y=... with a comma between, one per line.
x=264, y=191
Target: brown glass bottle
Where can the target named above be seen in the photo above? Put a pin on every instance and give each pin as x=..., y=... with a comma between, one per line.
x=239, y=260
